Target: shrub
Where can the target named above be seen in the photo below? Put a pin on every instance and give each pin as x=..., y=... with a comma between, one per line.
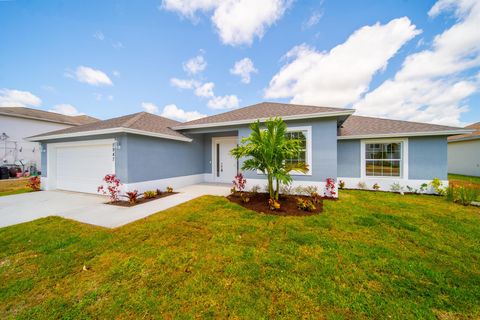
x=467, y=195
x=305, y=205
x=255, y=189
x=286, y=189
x=423, y=187
x=330, y=188
x=437, y=186
x=239, y=182
x=132, y=196
x=150, y=194
x=113, y=187
x=362, y=185
x=169, y=189
x=273, y=204
x=341, y=184
x=34, y=183
x=376, y=187
x=450, y=194
x=245, y=198
x=396, y=187
x=159, y=192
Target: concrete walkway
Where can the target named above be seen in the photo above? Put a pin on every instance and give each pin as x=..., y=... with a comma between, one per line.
x=89, y=208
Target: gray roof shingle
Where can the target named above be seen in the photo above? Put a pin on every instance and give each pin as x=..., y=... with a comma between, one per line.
x=139, y=121
x=262, y=111
x=365, y=126
x=470, y=136
x=36, y=114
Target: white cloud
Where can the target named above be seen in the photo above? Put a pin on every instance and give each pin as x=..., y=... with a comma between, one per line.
x=91, y=76
x=195, y=65
x=430, y=87
x=205, y=90
x=117, y=45
x=339, y=77
x=224, y=102
x=17, y=98
x=313, y=20
x=66, y=109
x=244, y=68
x=184, y=83
x=99, y=35
x=150, y=107
x=237, y=22
x=116, y=73
x=174, y=112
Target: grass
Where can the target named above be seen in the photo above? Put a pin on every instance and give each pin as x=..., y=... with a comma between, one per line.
x=468, y=181
x=13, y=186
x=369, y=255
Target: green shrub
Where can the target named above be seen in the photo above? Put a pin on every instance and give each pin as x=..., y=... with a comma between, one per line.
x=305, y=205
x=150, y=194
x=450, y=194
x=467, y=195
x=437, y=186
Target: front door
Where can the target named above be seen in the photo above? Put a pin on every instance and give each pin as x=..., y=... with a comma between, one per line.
x=224, y=164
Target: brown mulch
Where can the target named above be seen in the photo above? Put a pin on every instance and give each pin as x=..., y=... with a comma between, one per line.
x=288, y=204
x=126, y=203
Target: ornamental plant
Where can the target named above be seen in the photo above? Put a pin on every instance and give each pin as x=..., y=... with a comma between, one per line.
x=330, y=188
x=305, y=205
x=34, y=183
x=113, y=187
x=150, y=194
x=239, y=182
x=169, y=189
x=132, y=196
x=267, y=150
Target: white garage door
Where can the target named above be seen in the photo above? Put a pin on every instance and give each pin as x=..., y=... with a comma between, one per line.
x=82, y=168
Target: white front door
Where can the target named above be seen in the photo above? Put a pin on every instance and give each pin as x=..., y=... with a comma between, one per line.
x=224, y=164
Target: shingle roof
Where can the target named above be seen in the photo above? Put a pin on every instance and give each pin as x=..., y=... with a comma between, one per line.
x=470, y=136
x=263, y=110
x=142, y=121
x=368, y=126
x=36, y=114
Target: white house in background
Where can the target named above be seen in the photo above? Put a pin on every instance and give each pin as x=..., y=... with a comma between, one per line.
x=464, y=152
x=17, y=123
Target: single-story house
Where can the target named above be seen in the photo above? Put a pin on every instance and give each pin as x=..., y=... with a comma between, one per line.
x=147, y=151
x=17, y=123
x=464, y=152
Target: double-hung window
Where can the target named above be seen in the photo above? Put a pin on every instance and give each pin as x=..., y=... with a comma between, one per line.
x=304, y=156
x=383, y=159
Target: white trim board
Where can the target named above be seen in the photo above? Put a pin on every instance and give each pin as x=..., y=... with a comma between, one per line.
x=385, y=184
x=107, y=131
x=405, y=134
x=295, y=183
x=162, y=184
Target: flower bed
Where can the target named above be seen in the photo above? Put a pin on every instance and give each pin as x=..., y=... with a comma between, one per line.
x=288, y=203
x=126, y=203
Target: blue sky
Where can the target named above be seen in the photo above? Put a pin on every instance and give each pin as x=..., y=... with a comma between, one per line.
x=413, y=60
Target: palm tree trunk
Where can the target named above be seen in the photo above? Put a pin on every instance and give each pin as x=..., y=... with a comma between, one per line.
x=270, y=185
x=278, y=189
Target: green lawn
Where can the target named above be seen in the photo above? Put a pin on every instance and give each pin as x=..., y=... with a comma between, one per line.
x=464, y=180
x=369, y=255
x=13, y=186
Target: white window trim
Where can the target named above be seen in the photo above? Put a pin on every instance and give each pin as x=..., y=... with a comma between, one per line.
x=403, y=164
x=308, y=150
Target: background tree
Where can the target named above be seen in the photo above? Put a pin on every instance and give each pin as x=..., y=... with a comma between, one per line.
x=267, y=150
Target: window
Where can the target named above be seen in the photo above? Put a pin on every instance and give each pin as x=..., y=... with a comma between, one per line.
x=302, y=156
x=383, y=159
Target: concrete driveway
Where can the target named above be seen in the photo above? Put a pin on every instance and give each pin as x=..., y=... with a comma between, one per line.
x=89, y=208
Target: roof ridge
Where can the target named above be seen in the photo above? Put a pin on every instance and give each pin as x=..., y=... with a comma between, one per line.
x=135, y=117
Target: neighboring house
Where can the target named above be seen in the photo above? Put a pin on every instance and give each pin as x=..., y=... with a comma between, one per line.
x=464, y=152
x=147, y=151
x=17, y=123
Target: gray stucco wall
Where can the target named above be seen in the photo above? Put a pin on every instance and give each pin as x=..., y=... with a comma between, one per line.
x=151, y=158
x=428, y=158
x=348, y=158
x=324, y=149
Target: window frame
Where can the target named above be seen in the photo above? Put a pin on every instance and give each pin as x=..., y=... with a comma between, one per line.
x=307, y=131
x=403, y=161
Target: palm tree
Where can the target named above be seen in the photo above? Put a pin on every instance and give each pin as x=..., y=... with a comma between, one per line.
x=267, y=150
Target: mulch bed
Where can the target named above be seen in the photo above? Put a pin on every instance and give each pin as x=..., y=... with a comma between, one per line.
x=288, y=204
x=126, y=203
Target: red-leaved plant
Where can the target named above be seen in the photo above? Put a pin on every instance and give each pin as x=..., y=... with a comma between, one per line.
x=113, y=187
x=132, y=196
x=330, y=188
x=34, y=183
x=239, y=182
